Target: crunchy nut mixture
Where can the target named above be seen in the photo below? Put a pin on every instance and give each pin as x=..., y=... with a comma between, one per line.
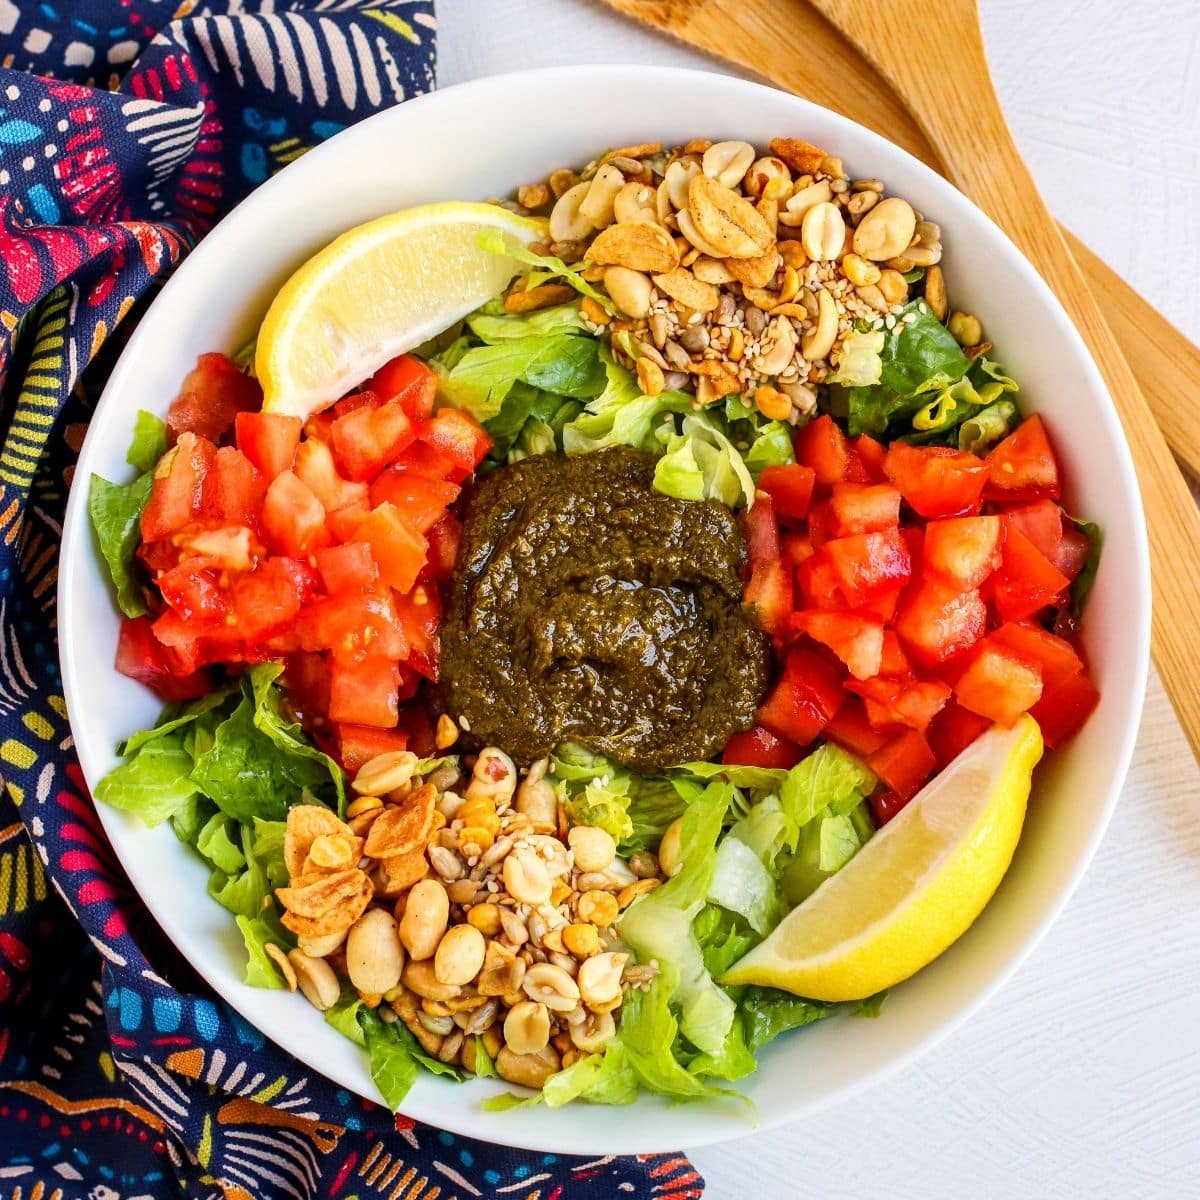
x=735, y=272
x=465, y=908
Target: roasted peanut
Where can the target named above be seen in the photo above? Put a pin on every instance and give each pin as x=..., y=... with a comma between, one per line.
x=374, y=955
x=459, y=955
x=527, y=1027
x=594, y=848
x=425, y=916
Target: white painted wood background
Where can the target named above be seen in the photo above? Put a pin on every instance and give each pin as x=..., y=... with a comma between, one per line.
x=1082, y=1078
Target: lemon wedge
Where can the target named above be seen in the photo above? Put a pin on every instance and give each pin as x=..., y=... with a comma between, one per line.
x=376, y=291
x=915, y=887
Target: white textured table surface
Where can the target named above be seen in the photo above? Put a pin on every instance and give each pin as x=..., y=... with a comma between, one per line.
x=1082, y=1078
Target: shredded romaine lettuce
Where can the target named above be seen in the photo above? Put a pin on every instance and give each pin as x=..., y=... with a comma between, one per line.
x=545, y=266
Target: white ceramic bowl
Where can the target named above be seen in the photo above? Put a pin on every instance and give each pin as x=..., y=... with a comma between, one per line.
x=485, y=138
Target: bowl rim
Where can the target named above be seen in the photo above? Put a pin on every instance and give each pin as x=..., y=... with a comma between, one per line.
x=542, y=81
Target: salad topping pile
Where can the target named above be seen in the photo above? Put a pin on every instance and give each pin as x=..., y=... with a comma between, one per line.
x=528, y=699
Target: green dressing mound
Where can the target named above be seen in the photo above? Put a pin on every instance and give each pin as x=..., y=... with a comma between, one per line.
x=586, y=606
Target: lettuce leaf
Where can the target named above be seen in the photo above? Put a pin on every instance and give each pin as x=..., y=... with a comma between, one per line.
x=741, y=883
x=701, y=463
x=597, y=1079
x=765, y=1013
x=983, y=429
x=545, y=266
x=149, y=442
x=343, y=1016
x=116, y=515
x=829, y=778
x=1081, y=588
x=772, y=447
x=493, y=323
x=872, y=1006
x=155, y=783
x=257, y=931
x=393, y=1066
x=621, y=415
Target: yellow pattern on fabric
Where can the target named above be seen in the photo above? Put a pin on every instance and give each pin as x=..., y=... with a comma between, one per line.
x=38, y=725
x=395, y=24
x=18, y=754
x=271, y=1090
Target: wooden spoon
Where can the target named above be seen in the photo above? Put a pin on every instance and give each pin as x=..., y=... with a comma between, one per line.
x=960, y=127
x=790, y=44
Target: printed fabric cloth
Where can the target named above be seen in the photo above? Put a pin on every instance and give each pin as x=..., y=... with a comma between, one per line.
x=127, y=128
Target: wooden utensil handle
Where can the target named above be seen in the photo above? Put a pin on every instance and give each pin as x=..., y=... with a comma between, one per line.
x=790, y=44
x=947, y=87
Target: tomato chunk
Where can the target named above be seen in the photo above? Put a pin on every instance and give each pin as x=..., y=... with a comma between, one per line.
x=819, y=584
x=1056, y=657
x=893, y=660
x=237, y=488
x=141, y=656
x=353, y=625
x=936, y=480
x=315, y=466
x=885, y=805
x=177, y=494
x=872, y=455
x=999, y=685
x=953, y=730
x=226, y=547
x=761, y=531
x=399, y=550
x=1023, y=466
x=210, y=398
x=365, y=692
x=769, y=593
x=759, y=747
x=306, y=678
x=1063, y=710
x=856, y=640
x=444, y=538
x=347, y=568
x=421, y=501
x=1027, y=581
x=456, y=434
x=910, y=702
x=420, y=614
x=790, y=488
x=822, y=446
x=293, y=519
x=1041, y=521
x=195, y=594
x=268, y=440
x=358, y=744
x=937, y=622
x=851, y=730
x=904, y=763
x=410, y=383
x=806, y=695
x=366, y=440
x=858, y=508
x=869, y=564
x=268, y=599
x=1072, y=553
x=963, y=551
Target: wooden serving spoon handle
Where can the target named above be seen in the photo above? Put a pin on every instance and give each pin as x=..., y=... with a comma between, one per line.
x=790, y=44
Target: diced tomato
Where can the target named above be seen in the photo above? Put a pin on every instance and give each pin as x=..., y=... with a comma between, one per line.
x=790, y=488
x=795, y=548
x=953, y=730
x=226, y=547
x=268, y=599
x=141, y=656
x=859, y=508
x=1041, y=521
x=885, y=805
x=818, y=583
x=236, y=488
x=366, y=440
x=882, y=607
x=868, y=564
x=999, y=685
x=872, y=455
x=347, y=568
x=456, y=434
x=293, y=519
x=353, y=625
x=268, y=440
x=769, y=593
x=365, y=692
x=1072, y=552
x=315, y=466
x=911, y=702
x=1023, y=466
x=420, y=614
x=358, y=744
x=1055, y=657
x=409, y=382
x=319, y=426
x=759, y=747
x=1027, y=581
x=851, y=730
x=344, y=522
x=1063, y=710
x=421, y=501
x=195, y=594
x=178, y=491
x=936, y=480
x=962, y=551
x=306, y=680
x=426, y=460
x=893, y=661
x=904, y=763
x=822, y=446
x=856, y=640
x=364, y=398
x=399, y=550
x=211, y=396
x=806, y=695
x=444, y=538
x=761, y=531
x=821, y=524
x=937, y=622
